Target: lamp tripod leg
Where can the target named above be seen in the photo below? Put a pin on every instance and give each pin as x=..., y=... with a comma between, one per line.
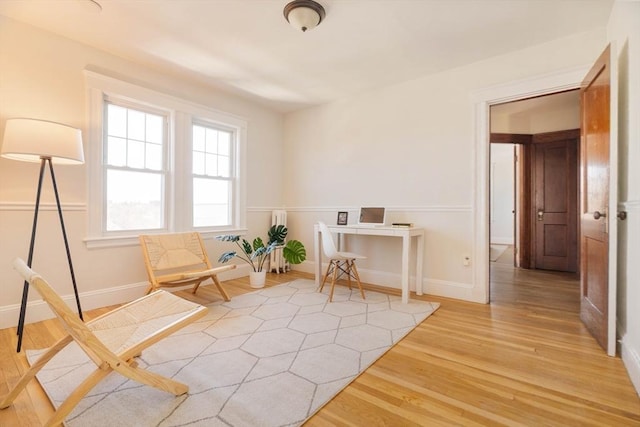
x=66, y=242
x=23, y=312
x=25, y=289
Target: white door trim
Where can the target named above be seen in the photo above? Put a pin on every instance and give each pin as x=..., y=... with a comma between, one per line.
x=482, y=100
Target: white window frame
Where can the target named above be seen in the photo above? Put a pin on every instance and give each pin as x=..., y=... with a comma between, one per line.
x=181, y=115
x=197, y=121
x=166, y=171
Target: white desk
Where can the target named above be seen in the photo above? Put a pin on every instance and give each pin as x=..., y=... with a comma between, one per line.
x=405, y=233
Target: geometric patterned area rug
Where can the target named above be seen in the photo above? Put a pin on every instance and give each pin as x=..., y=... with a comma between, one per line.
x=267, y=358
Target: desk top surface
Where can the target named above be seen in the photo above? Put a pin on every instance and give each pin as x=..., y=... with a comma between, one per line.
x=386, y=230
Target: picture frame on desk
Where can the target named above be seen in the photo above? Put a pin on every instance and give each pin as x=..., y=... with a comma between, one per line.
x=343, y=218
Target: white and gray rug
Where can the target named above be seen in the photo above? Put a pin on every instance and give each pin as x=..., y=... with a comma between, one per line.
x=268, y=358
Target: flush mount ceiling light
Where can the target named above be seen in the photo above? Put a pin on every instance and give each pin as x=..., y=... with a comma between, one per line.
x=304, y=14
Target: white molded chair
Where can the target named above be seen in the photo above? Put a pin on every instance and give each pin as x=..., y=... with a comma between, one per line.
x=343, y=262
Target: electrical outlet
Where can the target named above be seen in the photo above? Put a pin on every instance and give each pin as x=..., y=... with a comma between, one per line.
x=466, y=260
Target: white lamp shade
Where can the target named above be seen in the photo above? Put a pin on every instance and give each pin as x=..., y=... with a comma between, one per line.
x=29, y=140
x=303, y=18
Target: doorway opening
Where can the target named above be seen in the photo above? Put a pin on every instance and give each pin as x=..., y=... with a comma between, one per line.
x=598, y=85
x=533, y=184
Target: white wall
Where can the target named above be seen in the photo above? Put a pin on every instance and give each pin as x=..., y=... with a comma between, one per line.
x=502, y=194
x=550, y=119
x=41, y=76
x=410, y=147
x=624, y=31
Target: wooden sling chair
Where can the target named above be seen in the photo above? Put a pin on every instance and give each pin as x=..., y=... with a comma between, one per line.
x=112, y=341
x=179, y=259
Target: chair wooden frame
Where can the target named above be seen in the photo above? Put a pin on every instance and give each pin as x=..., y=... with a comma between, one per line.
x=107, y=340
x=339, y=263
x=179, y=259
x=343, y=266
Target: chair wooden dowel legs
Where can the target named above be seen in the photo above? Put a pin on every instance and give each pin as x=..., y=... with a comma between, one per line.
x=152, y=379
x=335, y=269
x=76, y=396
x=220, y=288
x=357, y=277
x=333, y=279
x=35, y=368
x=348, y=271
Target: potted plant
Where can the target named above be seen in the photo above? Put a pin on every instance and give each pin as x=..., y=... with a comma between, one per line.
x=255, y=254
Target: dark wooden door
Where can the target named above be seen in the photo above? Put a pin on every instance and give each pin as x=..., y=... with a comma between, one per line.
x=556, y=204
x=598, y=195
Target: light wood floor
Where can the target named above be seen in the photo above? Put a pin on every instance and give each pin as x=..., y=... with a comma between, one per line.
x=523, y=360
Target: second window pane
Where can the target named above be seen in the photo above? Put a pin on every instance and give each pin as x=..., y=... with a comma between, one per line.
x=134, y=201
x=210, y=202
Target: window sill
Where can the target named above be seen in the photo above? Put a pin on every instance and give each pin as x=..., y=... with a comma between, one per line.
x=123, y=241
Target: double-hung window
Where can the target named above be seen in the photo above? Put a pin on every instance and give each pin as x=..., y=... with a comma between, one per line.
x=158, y=163
x=212, y=168
x=135, y=168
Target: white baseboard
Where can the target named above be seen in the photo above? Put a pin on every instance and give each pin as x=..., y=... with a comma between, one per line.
x=502, y=241
x=437, y=287
x=631, y=360
x=38, y=310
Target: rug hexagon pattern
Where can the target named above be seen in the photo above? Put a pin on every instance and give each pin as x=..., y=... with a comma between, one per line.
x=269, y=358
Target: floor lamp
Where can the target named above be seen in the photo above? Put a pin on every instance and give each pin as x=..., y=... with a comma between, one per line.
x=31, y=140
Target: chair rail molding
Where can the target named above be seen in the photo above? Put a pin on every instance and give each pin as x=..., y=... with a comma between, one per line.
x=44, y=206
x=428, y=208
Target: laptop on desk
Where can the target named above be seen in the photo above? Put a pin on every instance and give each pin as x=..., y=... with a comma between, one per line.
x=372, y=217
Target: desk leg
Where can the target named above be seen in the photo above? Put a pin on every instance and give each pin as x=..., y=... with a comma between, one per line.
x=317, y=246
x=419, y=262
x=406, y=246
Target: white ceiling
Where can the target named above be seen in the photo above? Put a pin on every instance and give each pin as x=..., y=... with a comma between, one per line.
x=247, y=47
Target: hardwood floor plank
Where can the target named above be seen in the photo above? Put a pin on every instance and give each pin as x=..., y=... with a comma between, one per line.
x=435, y=406
x=505, y=395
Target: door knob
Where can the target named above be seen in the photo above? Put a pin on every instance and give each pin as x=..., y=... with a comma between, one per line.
x=622, y=215
x=598, y=215
x=540, y=214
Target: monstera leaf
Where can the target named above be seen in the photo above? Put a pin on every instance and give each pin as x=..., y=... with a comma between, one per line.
x=277, y=234
x=246, y=247
x=257, y=243
x=294, y=252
